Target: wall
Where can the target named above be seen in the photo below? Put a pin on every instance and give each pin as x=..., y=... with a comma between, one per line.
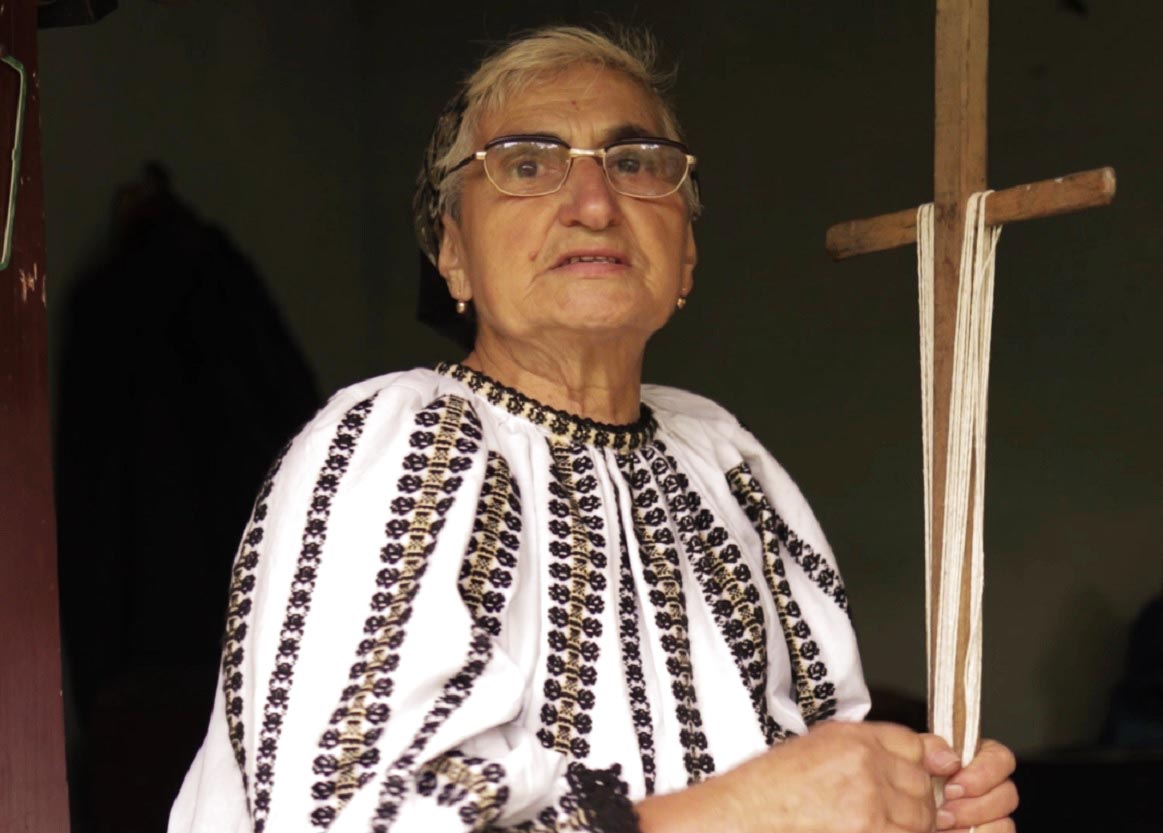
x=254, y=109
x=299, y=127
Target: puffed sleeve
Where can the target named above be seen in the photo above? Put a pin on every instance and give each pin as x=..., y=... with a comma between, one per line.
x=374, y=661
x=803, y=580
x=806, y=583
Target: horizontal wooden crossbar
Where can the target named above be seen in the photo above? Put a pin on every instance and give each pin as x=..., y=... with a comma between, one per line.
x=1060, y=195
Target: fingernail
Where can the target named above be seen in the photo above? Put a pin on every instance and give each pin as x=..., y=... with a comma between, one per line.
x=944, y=819
x=953, y=791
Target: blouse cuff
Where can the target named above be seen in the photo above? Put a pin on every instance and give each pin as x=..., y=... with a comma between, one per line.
x=597, y=802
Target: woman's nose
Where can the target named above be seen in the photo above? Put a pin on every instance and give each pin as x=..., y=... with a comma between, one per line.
x=589, y=199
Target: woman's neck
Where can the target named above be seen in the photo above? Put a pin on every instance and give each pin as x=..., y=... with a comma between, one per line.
x=599, y=383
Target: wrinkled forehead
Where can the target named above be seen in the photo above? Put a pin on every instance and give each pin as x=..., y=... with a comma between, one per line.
x=580, y=104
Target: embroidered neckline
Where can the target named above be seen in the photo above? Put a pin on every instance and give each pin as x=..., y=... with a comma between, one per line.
x=562, y=424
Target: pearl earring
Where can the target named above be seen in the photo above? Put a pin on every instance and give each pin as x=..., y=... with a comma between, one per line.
x=461, y=306
x=680, y=303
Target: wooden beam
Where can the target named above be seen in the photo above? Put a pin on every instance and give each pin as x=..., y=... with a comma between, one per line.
x=959, y=150
x=1061, y=195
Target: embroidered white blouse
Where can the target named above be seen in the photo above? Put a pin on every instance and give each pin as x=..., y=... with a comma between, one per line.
x=457, y=609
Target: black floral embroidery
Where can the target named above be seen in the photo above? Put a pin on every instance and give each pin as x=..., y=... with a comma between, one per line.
x=725, y=579
x=602, y=797
x=814, y=565
x=486, y=573
x=299, y=604
x=597, y=802
x=577, y=552
x=238, y=612
x=815, y=693
x=661, y=571
x=628, y=617
x=485, y=582
x=444, y=444
x=566, y=427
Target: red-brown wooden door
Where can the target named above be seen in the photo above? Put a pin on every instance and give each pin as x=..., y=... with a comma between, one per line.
x=33, y=795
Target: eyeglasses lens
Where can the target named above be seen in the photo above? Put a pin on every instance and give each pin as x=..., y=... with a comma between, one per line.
x=644, y=170
x=529, y=168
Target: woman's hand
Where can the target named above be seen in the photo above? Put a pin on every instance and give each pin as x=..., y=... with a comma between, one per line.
x=841, y=777
x=979, y=795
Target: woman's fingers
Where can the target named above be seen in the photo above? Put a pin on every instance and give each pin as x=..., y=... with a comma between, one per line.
x=996, y=805
x=993, y=765
x=884, y=775
x=940, y=759
x=899, y=741
x=910, y=779
x=868, y=776
x=979, y=795
x=912, y=813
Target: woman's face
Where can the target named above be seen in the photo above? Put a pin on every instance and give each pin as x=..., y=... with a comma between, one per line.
x=512, y=255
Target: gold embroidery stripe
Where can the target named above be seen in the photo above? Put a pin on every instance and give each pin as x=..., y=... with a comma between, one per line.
x=352, y=740
x=468, y=779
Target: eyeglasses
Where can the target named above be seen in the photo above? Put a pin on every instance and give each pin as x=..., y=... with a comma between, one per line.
x=533, y=166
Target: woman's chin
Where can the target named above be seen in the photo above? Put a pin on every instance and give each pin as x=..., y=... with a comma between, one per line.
x=601, y=305
x=612, y=324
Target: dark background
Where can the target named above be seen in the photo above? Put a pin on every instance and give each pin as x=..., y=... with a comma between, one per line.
x=297, y=127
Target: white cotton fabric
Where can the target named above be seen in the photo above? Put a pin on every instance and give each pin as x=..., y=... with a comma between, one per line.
x=466, y=746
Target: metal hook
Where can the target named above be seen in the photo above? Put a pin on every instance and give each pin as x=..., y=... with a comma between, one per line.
x=17, y=142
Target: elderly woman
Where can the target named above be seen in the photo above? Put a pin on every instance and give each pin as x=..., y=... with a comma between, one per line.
x=525, y=591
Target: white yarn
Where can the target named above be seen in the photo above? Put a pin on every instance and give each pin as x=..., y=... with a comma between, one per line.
x=964, y=464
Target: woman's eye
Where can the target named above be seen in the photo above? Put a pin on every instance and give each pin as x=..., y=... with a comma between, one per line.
x=526, y=168
x=636, y=163
x=629, y=165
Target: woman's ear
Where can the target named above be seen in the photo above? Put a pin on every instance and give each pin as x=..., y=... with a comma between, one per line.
x=452, y=263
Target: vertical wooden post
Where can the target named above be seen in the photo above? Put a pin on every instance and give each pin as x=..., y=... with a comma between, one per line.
x=33, y=793
x=958, y=171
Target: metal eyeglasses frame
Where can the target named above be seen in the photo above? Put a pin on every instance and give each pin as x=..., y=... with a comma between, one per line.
x=575, y=153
